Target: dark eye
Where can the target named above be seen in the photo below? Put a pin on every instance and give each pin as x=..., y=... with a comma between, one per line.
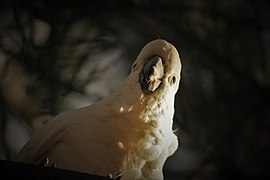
x=174, y=79
x=134, y=65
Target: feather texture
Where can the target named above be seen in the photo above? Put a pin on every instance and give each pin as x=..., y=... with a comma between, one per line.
x=128, y=133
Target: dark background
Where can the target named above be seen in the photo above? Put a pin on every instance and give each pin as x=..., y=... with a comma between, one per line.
x=223, y=103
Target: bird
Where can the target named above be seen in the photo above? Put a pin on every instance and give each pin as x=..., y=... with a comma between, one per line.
x=128, y=134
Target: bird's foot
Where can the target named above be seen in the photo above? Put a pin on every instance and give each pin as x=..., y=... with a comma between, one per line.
x=117, y=176
x=45, y=162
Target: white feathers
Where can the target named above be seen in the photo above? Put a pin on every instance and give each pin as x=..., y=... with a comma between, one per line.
x=128, y=133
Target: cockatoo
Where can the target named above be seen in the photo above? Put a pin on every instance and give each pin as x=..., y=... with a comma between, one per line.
x=127, y=134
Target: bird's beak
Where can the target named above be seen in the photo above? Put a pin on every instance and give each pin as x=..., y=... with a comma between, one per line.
x=152, y=74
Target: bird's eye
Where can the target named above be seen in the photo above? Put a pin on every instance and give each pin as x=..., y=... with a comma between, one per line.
x=134, y=65
x=172, y=80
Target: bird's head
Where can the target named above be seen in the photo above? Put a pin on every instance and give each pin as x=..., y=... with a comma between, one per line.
x=154, y=79
x=158, y=68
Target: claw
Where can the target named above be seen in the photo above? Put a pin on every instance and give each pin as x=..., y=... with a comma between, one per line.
x=117, y=176
x=45, y=162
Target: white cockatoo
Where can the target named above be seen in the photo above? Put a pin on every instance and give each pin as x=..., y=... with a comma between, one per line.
x=127, y=134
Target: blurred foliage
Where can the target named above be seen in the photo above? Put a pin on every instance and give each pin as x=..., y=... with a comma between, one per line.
x=223, y=104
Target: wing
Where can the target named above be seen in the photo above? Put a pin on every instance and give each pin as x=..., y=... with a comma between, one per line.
x=82, y=140
x=44, y=139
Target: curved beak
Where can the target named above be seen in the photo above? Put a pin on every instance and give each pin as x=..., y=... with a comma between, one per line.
x=152, y=74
